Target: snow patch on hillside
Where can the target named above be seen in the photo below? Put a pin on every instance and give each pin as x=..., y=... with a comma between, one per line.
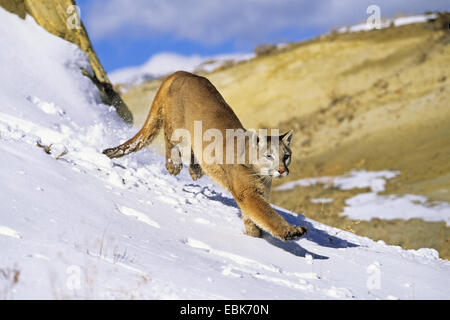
x=375, y=180
x=386, y=23
x=369, y=205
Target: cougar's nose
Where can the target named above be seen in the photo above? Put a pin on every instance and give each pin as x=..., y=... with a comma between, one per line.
x=281, y=171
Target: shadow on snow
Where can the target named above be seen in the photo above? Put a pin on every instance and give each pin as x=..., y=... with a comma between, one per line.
x=315, y=235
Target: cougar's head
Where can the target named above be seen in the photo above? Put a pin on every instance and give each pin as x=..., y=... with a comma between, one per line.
x=274, y=158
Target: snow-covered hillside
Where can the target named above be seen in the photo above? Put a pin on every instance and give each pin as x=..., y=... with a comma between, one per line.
x=74, y=224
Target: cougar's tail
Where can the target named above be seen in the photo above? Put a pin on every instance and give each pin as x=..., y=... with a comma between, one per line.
x=145, y=136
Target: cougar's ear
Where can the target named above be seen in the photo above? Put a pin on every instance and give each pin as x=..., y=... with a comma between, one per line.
x=287, y=137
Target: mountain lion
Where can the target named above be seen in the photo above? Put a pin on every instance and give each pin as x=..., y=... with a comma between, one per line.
x=184, y=99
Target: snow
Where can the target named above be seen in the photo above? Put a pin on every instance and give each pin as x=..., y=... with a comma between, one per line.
x=375, y=180
x=139, y=216
x=164, y=63
x=413, y=19
x=369, y=205
x=322, y=200
x=9, y=232
x=158, y=65
x=81, y=226
x=386, y=23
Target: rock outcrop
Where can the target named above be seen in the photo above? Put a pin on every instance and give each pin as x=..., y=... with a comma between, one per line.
x=61, y=18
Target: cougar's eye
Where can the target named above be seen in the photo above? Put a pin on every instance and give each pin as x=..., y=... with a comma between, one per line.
x=269, y=156
x=287, y=158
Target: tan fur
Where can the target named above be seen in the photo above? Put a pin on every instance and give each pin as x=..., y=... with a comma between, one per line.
x=184, y=98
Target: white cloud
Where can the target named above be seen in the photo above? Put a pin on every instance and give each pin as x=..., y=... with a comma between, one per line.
x=158, y=65
x=164, y=63
x=216, y=21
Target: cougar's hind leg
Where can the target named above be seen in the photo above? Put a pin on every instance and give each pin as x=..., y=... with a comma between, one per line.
x=173, y=154
x=195, y=170
x=251, y=229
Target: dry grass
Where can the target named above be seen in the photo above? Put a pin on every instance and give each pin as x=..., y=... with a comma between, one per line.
x=9, y=277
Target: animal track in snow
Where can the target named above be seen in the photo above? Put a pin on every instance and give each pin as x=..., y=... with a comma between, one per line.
x=231, y=256
x=9, y=232
x=138, y=215
x=204, y=221
x=245, y=266
x=169, y=200
x=339, y=293
x=47, y=107
x=39, y=256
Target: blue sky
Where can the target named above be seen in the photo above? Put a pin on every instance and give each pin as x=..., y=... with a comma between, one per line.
x=128, y=32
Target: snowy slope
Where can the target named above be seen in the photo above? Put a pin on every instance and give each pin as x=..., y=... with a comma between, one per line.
x=74, y=224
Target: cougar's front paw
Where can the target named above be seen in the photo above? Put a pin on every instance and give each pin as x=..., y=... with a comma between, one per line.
x=173, y=168
x=195, y=171
x=295, y=233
